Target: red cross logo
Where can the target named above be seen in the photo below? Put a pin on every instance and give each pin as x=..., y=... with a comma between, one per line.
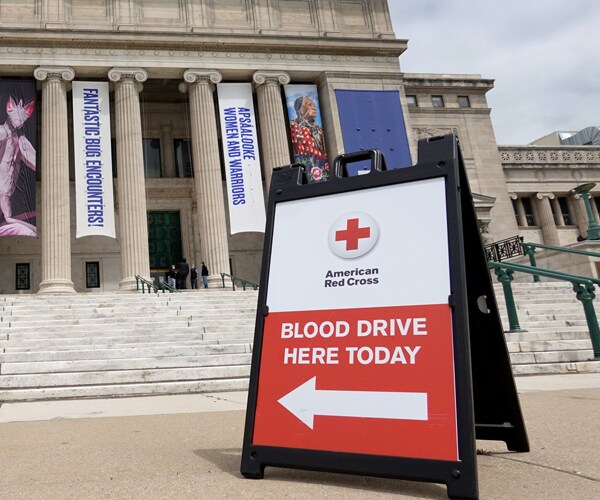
x=352, y=234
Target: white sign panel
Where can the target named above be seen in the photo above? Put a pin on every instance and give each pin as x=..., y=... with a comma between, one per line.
x=372, y=248
x=242, y=161
x=93, y=163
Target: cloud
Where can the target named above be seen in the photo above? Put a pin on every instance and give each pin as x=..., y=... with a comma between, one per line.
x=543, y=56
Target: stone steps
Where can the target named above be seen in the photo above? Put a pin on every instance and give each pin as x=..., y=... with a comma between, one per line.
x=555, y=336
x=154, y=351
x=112, y=345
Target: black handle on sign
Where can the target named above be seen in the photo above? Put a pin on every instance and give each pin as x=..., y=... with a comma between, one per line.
x=340, y=164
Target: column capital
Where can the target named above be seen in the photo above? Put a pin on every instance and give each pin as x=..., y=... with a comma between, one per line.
x=541, y=196
x=42, y=73
x=271, y=77
x=200, y=76
x=137, y=75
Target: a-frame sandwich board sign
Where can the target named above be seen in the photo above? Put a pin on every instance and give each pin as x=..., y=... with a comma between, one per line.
x=362, y=360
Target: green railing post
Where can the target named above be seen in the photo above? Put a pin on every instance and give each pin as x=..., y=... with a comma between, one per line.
x=586, y=295
x=223, y=280
x=530, y=252
x=505, y=276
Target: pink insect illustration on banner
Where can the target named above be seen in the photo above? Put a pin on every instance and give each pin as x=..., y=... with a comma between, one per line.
x=15, y=151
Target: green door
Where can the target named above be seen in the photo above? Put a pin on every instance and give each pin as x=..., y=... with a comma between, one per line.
x=164, y=240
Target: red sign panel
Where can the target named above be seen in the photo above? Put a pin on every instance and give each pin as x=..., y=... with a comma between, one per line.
x=376, y=380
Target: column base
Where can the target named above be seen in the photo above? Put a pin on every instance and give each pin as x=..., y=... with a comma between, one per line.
x=56, y=287
x=215, y=281
x=130, y=285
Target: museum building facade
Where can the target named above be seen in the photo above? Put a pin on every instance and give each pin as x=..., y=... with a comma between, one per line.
x=167, y=64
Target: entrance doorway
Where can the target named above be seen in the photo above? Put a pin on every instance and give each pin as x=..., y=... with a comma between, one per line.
x=164, y=243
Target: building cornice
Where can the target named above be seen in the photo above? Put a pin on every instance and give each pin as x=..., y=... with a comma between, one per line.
x=218, y=42
x=442, y=82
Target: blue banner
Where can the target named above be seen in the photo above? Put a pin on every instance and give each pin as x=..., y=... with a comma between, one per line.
x=373, y=119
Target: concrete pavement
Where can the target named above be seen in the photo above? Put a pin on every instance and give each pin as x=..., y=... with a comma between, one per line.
x=189, y=447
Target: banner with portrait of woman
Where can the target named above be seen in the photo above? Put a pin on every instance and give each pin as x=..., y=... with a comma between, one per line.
x=306, y=131
x=18, y=145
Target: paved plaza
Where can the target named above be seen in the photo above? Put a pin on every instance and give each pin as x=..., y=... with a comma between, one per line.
x=189, y=447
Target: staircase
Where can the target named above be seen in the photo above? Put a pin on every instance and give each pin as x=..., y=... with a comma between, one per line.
x=555, y=337
x=115, y=344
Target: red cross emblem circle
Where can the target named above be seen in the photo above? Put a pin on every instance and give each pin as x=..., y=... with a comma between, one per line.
x=353, y=235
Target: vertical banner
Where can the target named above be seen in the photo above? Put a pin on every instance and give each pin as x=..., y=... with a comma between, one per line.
x=373, y=119
x=306, y=130
x=241, y=156
x=93, y=162
x=18, y=146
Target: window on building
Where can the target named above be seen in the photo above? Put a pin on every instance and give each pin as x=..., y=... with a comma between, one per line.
x=411, y=101
x=92, y=274
x=23, y=281
x=464, y=101
x=438, y=101
x=183, y=158
x=152, y=165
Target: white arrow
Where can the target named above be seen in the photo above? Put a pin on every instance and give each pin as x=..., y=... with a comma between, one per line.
x=306, y=401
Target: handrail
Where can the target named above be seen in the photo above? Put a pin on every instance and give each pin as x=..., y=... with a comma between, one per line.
x=547, y=273
x=145, y=283
x=583, y=287
x=165, y=286
x=503, y=249
x=559, y=249
x=242, y=281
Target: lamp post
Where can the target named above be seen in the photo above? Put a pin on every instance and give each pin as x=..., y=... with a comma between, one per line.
x=584, y=191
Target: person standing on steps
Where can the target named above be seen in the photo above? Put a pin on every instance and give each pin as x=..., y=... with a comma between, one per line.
x=204, y=273
x=184, y=270
x=173, y=276
x=194, y=277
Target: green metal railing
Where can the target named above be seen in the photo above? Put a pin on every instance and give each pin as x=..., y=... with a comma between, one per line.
x=163, y=285
x=529, y=250
x=234, y=279
x=583, y=287
x=143, y=284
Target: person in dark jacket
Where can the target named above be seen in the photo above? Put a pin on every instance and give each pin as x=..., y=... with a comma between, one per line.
x=194, y=277
x=204, y=273
x=184, y=270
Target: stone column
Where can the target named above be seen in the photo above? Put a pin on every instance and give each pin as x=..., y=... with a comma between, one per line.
x=549, y=230
x=133, y=219
x=520, y=215
x=580, y=214
x=208, y=184
x=55, y=213
x=168, y=151
x=558, y=216
x=273, y=124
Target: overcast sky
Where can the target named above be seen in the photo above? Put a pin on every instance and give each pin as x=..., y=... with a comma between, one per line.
x=544, y=56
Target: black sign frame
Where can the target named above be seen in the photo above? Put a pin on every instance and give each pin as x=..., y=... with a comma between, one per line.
x=495, y=413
